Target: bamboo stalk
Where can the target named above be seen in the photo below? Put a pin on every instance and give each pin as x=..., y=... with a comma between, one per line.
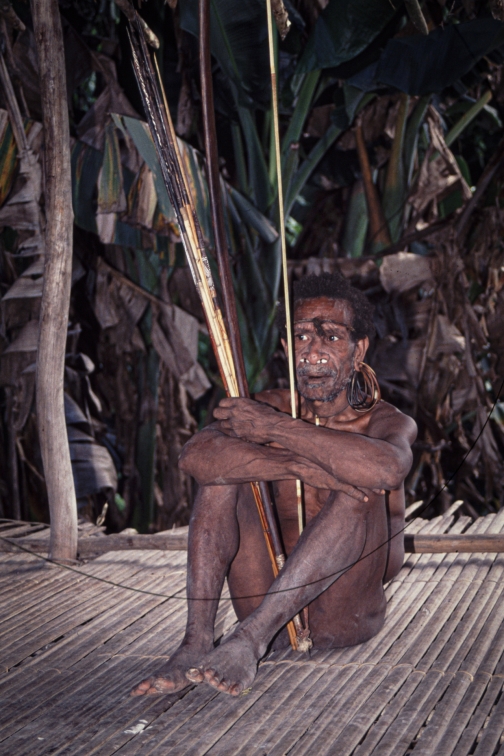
x=304, y=642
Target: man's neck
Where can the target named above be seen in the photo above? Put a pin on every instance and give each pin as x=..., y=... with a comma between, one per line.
x=337, y=408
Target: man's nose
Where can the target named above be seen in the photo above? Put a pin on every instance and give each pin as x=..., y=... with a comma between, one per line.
x=314, y=351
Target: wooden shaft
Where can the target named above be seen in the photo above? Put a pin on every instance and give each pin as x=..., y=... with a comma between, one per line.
x=260, y=490
x=57, y=281
x=176, y=540
x=212, y=165
x=449, y=544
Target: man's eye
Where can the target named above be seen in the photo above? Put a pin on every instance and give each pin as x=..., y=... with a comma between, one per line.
x=332, y=337
x=301, y=336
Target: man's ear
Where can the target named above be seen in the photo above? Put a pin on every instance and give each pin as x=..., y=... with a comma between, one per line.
x=361, y=348
x=284, y=344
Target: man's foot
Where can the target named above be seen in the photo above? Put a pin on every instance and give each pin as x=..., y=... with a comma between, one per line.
x=231, y=668
x=172, y=677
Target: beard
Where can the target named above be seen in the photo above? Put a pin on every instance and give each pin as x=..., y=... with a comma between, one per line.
x=320, y=383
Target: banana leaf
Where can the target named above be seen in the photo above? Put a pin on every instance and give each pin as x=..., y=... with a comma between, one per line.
x=301, y=110
x=421, y=65
x=356, y=222
x=238, y=41
x=145, y=146
x=252, y=217
x=395, y=191
x=261, y=191
x=308, y=166
x=343, y=30
x=8, y=155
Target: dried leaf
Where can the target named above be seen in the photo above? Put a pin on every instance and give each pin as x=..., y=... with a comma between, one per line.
x=24, y=394
x=26, y=340
x=404, y=271
x=24, y=288
x=91, y=128
x=92, y=467
x=35, y=245
x=111, y=197
x=73, y=413
x=439, y=173
x=195, y=381
x=35, y=269
x=117, y=305
x=142, y=199
x=106, y=225
x=21, y=211
x=446, y=338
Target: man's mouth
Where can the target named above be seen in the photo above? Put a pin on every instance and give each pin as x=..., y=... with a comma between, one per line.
x=316, y=372
x=319, y=382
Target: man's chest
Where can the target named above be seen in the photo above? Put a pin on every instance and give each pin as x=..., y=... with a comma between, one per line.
x=285, y=497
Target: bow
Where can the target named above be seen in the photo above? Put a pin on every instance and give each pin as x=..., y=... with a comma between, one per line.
x=228, y=351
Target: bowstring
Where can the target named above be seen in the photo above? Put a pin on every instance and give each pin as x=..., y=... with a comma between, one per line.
x=336, y=575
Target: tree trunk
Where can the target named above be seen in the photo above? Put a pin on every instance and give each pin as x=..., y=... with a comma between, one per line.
x=57, y=282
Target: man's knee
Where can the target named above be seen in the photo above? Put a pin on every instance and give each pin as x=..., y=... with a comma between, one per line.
x=214, y=497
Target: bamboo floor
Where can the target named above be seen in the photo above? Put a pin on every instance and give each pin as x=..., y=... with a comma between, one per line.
x=431, y=682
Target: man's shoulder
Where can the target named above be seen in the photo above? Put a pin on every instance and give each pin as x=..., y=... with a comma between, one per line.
x=385, y=415
x=277, y=398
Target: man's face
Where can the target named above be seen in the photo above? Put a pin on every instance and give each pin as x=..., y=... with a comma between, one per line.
x=325, y=352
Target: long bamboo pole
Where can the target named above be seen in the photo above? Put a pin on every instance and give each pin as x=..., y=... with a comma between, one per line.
x=304, y=643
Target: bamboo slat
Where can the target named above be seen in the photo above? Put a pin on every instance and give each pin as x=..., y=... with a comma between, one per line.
x=430, y=681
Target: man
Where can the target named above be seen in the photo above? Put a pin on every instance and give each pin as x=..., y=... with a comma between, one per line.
x=353, y=465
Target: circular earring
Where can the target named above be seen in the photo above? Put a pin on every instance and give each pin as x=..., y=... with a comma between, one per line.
x=363, y=398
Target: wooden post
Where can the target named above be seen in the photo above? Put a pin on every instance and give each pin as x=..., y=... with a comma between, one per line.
x=57, y=282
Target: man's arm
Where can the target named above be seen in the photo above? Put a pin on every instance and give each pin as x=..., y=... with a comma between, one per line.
x=379, y=460
x=215, y=458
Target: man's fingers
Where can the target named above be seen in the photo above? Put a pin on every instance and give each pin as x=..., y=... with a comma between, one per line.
x=226, y=427
x=354, y=492
x=233, y=401
x=222, y=413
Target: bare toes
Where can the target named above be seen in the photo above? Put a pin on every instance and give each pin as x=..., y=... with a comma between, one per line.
x=210, y=676
x=161, y=685
x=194, y=675
x=141, y=689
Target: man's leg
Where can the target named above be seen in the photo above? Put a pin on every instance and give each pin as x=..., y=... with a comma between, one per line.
x=213, y=543
x=334, y=540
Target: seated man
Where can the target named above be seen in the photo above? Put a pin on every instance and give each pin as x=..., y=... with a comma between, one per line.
x=353, y=465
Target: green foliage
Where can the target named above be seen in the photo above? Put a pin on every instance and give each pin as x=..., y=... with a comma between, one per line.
x=238, y=41
x=343, y=30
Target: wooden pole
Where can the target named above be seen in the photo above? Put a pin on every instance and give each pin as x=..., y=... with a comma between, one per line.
x=212, y=165
x=176, y=540
x=260, y=489
x=57, y=281
x=453, y=544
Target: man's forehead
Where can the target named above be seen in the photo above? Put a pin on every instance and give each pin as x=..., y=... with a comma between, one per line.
x=324, y=308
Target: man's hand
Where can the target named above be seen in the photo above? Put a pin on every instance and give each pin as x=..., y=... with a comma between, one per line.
x=247, y=419
x=317, y=477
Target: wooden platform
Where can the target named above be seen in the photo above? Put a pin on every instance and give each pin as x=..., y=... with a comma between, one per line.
x=430, y=683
